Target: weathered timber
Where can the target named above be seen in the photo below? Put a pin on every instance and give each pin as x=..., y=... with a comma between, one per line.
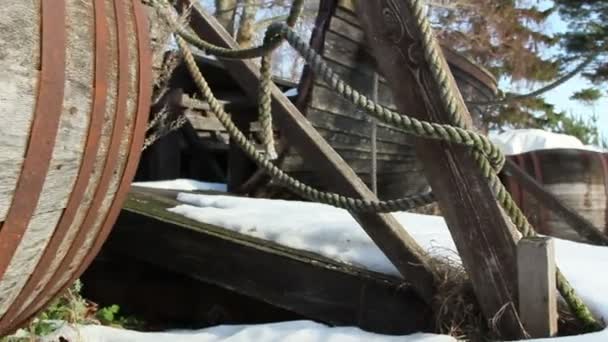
x=536, y=271
x=577, y=179
x=550, y=201
x=360, y=165
x=299, y=281
x=168, y=300
x=387, y=233
x=485, y=238
x=65, y=87
x=341, y=41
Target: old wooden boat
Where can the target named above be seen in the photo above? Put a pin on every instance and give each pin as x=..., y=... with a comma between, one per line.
x=75, y=78
x=341, y=41
x=579, y=178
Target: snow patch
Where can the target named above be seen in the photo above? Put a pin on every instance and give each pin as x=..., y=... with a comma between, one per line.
x=184, y=185
x=526, y=140
x=314, y=227
x=291, y=92
x=298, y=331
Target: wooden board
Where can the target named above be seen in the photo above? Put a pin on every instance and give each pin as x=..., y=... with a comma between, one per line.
x=299, y=281
x=564, y=193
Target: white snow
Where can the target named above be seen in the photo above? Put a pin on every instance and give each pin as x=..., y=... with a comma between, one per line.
x=309, y=226
x=525, y=140
x=297, y=331
x=291, y=92
x=335, y=234
x=183, y=185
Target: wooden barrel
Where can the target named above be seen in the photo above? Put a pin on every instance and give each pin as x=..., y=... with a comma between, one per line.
x=579, y=178
x=74, y=100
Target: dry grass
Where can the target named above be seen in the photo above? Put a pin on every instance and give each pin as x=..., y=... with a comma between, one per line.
x=455, y=307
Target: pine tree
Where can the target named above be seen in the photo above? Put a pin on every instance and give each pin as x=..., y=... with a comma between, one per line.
x=504, y=36
x=588, y=33
x=508, y=38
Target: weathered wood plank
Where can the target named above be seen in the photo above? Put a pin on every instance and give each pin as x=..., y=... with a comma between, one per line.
x=343, y=294
x=77, y=251
x=347, y=30
x=18, y=71
x=66, y=154
x=297, y=163
x=125, y=142
x=94, y=179
x=363, y=72
x=537, y=286
x=348, y=5
x=341, y=139
x=359, y=81
x=349, y=153
x=392, y=239
x=550, y=201
x=324, y=99
x=345, y=52
x=390, y=185
x=464, y=195
x=390, y=152
x=26, y=257
x=348, y=16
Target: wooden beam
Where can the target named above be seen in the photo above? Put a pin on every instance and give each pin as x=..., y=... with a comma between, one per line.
x=484, y=237
x=537, y=286
x=548, y=200
x=403, y=251
x=300, y=281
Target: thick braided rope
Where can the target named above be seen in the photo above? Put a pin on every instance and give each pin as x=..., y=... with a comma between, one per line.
x=265, y=107
x=432, y=56
x=211, y=49
x=337, y=200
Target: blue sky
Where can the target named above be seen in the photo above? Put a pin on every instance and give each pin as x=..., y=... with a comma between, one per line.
x=560, y=97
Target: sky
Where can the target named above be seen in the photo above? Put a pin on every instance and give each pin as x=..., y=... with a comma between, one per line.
x=560, y=96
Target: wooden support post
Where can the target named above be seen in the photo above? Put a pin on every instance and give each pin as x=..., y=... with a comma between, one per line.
x=400, y=248
x=537, y=289
x=484, y=237
x=548, y=200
